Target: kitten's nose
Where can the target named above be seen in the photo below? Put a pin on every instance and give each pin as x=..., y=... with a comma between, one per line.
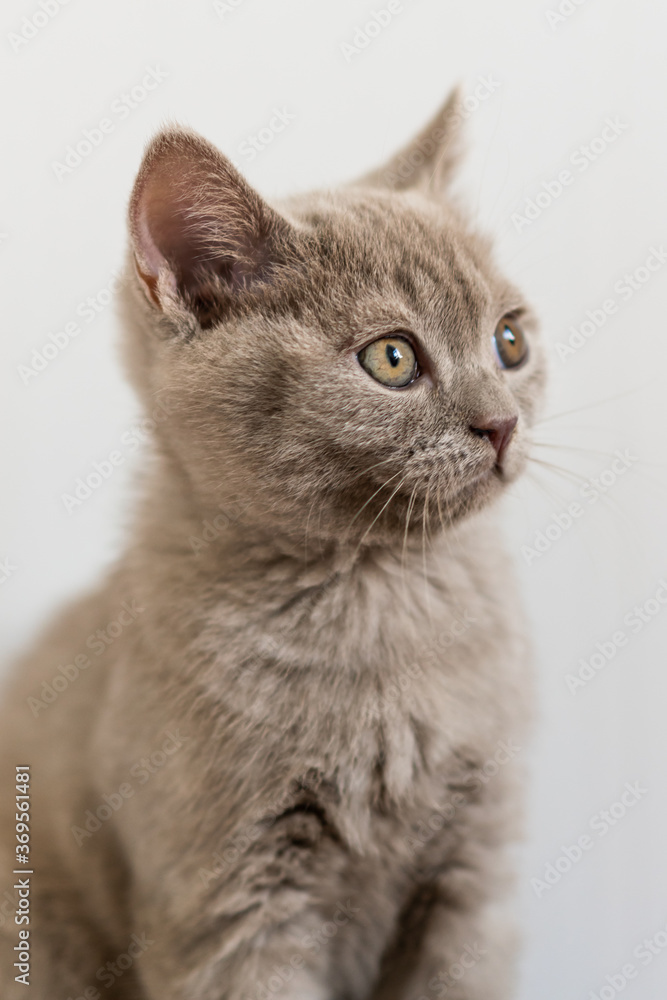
x=498, y=430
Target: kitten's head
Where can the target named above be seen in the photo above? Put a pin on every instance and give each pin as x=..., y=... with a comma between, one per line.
x=347, y=363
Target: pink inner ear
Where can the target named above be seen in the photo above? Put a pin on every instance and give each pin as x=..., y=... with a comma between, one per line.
x=173, y=229
x=148, y=259
x=195, y=223
x=151, y=258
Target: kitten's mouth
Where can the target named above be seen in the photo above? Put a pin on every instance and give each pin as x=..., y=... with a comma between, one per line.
x=471, y=493
x=488, y=475
x=483, y=484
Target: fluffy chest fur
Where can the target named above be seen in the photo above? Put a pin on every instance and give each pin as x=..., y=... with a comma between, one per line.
x=372, y=688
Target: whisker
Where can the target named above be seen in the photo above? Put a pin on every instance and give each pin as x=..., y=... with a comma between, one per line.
x=637, y=541
x=310, y=511
x=590, y=406
x=372, y=497
x=570, y=447
x=424, y=535
x=378, y=515
x=549, y=494
x=604, y=497
x=383, y=461
x=573, y=476
x=440, y=514
x=595, y=451
x=405, y=533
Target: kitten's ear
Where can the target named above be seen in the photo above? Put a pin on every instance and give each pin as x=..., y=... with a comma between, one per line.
x=199, y=232
x=428, y=162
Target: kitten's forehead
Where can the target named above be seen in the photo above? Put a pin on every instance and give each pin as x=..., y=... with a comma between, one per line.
x=387, y=259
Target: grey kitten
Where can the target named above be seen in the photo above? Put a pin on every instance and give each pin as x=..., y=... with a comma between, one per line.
x=283, y=757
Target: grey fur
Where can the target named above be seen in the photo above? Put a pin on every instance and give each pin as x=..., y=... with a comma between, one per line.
x=320, y=614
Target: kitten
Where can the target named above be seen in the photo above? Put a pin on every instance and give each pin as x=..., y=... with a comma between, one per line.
x=276, y=752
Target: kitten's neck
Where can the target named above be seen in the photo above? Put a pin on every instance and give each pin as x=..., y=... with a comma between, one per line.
x=212, y=542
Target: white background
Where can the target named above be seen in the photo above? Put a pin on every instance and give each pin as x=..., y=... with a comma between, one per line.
x=62, y=239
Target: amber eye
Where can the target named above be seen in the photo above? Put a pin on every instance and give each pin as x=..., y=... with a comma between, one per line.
x=510, y=344
x=391, y=361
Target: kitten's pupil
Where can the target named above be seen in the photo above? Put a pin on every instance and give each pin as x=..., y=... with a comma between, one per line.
x=393, y=355
x=508, y=334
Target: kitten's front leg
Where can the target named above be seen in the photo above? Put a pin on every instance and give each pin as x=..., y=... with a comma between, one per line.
x=264, y=965
x=454, y=938
x=447, y=952
x=293, y=915
x=253, y=955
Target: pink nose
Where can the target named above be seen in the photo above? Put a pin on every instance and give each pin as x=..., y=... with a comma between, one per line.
x=498, y=430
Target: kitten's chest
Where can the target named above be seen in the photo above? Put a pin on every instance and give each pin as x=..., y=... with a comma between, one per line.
x=439, y=696
x=381, y=694
x=412, y=747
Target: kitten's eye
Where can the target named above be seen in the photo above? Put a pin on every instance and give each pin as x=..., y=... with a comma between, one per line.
x=391, y=361
x=510, y=344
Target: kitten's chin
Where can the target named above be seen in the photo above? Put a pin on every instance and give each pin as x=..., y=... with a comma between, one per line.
x=483, y=489
x=476, y=494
